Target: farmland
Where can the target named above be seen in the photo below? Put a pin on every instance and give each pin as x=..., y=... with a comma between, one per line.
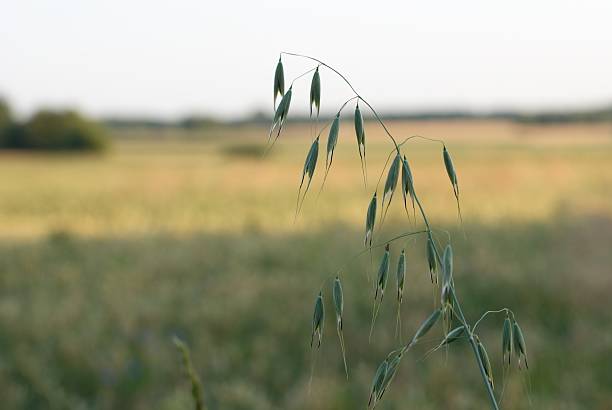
x=104, y=258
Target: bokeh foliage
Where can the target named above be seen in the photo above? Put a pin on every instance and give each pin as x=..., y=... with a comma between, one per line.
x=196, y=240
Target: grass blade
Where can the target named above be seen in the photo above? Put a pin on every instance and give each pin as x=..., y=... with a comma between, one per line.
x=196, y=385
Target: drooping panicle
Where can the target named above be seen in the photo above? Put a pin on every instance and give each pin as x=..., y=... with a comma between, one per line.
x=310, y=165
x=279, y=80
x=332, y=140
x=407, y=185
x=451, y=337
x=370, y=221
x=447, y=287
x=450, y=169
x=338, y=297
x=446, y=296
x=318, y=318
x=280, y=116
x=426, y=325
x=393, y=362
x=448, y=265
x=507, y=341
x=390, y=185
x=401, y=275
x=519, y=344
x=381, y=284
x=486, y=363
x=311, y=159
x=431, y=259
x=383, y=274
x=452, y=175
x=454, y=335
x=338, y=301
x=377, y=383
x=361, y=136
x=315, y=92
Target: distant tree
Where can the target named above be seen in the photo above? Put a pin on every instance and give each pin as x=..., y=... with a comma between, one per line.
x=196, y=122
x=5, y=117
x=55, y=130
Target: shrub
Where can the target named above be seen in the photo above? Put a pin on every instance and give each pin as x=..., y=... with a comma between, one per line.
x=62, y=130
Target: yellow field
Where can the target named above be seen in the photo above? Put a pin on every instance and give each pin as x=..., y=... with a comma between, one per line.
x=104, y=258
x=506, y=172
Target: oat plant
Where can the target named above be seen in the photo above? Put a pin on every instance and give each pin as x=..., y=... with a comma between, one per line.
x=446, y=312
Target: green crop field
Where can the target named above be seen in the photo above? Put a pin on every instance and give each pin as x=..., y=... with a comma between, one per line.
x=104, y=258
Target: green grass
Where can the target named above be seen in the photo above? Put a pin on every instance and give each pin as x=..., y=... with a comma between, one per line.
x=104, y=259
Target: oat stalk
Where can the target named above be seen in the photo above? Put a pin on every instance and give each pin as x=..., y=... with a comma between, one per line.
x=196, y=385
x=450, y=307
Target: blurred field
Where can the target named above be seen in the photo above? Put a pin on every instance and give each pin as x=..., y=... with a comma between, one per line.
x=103, y=259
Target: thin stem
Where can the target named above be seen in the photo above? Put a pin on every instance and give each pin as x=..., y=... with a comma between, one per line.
x=346, y=102
x=380, y=245
x=382, y=172
x=302, y=75
x=462, y=319
x=354, y=90
x=422, y=137
x=488, y=312
x=328, y=123
x=323, y=64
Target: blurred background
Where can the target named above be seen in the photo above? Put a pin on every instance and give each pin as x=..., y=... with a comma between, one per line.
x=136, y=203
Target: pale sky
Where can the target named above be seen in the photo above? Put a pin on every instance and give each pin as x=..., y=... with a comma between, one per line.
x=170, y=58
